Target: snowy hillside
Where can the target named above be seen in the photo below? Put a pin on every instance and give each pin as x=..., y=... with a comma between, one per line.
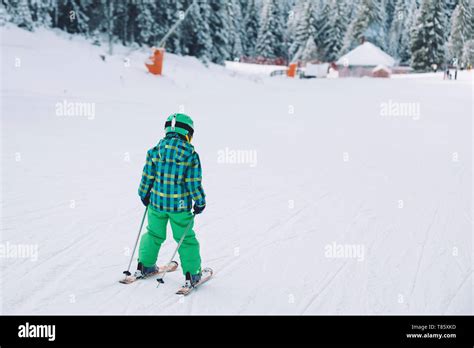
x=341, y=204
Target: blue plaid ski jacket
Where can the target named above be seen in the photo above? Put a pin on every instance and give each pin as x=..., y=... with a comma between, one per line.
x=172, y=176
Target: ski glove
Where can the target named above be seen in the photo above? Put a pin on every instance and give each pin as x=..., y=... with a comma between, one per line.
x=198, y=209
x=146, y=200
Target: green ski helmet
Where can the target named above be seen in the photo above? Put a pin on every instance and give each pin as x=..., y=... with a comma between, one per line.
x=181, y=124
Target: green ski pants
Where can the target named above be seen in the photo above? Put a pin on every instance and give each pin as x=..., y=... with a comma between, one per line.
x=151, y=241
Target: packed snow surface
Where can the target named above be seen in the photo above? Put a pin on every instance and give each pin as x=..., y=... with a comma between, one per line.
x=325, y=196
x=253, y=69
x=366, y=54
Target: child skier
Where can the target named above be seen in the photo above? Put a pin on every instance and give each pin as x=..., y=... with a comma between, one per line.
x=171, y=180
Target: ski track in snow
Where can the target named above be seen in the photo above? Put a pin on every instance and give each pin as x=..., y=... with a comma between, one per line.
x=457, y=291
x=420, y=258
x=324, y=287
x=266, y=227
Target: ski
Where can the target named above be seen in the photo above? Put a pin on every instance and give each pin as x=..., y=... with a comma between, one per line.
x=172, y=266
x=207, y=274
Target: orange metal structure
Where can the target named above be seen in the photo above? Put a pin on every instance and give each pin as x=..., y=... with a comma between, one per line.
x=291, y=72
x=155, y=63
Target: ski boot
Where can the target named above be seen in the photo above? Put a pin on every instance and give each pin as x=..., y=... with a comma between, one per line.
x=192, y=279
x=143, y=271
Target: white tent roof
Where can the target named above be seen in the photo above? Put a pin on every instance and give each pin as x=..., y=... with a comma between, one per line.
x=366, y=54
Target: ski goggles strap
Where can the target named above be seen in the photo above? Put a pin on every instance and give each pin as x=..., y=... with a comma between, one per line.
x=181, y=125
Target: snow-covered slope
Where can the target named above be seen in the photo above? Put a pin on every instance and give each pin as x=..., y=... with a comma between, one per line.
x=333, y=172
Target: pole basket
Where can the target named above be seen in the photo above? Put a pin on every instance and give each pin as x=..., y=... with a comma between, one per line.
x=154, y=64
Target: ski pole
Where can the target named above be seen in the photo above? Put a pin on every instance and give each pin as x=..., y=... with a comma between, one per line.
x=188, y=227
x=127, y=272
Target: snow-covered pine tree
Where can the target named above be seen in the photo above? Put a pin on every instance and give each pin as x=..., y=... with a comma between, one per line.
x=450, y=6
x=351, y=9
x=174, y=9
x=196, y=35
x=40, y=12
x=389, y=6
x=399, y=33
x=204, y=51
x=20, y=14
x=126, y=13
x=294, y=15
x=219, y=24
x=280, y=16
x=251, y=25
x=180, y=33
x=404, y=49
x=163, y=18
x=461, y=30
x=368, y=23
x=235, y=29
x=146, y=22
x=267, y=40
x=109, y=21
x=4, y=16
x=305, y=34
x=428, y=41
x=72, y=15
x=310, y=51
x=286, y=7
x=286, y=15
x=300, y=28
x=337, y=27
x=468, y=54
x=323, y=16
x=165, y=15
